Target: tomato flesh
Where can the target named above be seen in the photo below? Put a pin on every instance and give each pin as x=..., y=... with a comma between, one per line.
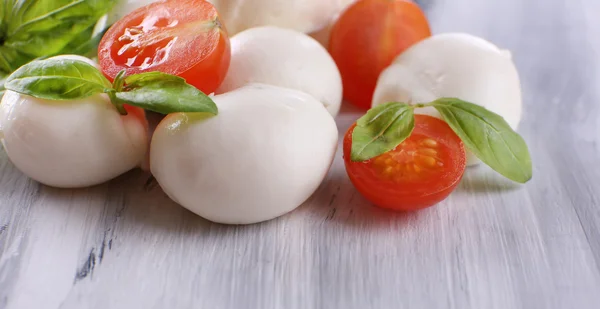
x=366, y=39
x=420, y=172
x=183, y=38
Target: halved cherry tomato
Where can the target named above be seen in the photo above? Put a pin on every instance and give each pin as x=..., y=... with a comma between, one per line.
x=179, y=37
x=419, y=173
x=366, y=39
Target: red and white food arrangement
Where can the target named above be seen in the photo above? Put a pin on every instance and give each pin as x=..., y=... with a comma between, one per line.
x=455, y=65
x=79, y=142
x=313, y=17
x=249, y=132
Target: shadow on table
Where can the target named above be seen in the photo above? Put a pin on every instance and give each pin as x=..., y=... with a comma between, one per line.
x=337, y=204
x=482, y=179
x=134, y=204
x=135, y=201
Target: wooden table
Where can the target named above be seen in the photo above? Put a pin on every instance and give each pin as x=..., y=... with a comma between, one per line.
x=492, y=244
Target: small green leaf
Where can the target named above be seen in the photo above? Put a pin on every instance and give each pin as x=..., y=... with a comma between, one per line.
x=57, y=79
x=382, y=129
x=165, y=94
x=489, y=137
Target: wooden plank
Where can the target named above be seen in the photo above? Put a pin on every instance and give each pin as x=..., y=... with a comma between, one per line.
x=492, y=244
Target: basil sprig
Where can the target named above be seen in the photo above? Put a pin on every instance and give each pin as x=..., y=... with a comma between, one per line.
x=68, y=79
x=483, y=132
x=37, y=29
x=33, y=29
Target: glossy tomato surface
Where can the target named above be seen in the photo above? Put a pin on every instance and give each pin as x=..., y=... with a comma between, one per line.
x=419, y=173
x=179, y=37
x=366, y=39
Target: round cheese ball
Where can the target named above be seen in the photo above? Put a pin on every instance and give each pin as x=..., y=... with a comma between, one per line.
x=302, y=15
x=73, y=143
x=306, y=16
x=70, y=144
x=263, y=155
x=454, y=65
x=284, y=58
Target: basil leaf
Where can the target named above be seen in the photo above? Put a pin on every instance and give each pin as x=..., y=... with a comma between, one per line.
x=34, y=16
x=489, y=137
x=382, y=129
x=58, y=79
x=41, y=28
x=43, y=15
x=85, y=44
x=11, y=59
x=165, y=94
x=2, y=89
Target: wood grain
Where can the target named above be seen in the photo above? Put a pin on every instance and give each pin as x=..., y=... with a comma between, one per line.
x=492, y=244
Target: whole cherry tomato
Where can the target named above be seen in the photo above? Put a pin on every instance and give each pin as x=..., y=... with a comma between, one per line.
x=366, y=39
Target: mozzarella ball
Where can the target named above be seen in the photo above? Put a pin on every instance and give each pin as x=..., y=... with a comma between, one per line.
x=74, y=143
x=454, y=65
x=306, y=16
x=302, y=15
x=263, y=155
x=284, y=58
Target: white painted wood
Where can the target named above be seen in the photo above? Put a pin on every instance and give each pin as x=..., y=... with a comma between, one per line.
x=492, y=244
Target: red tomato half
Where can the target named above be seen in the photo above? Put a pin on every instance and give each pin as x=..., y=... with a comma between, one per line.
x=179, y=37
x=419, y=173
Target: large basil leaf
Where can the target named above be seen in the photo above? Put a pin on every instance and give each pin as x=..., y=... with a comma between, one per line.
x=86, y=44
x=43, y=15
x=164, y=93
x=40, y=28
x=489, y=137
x=382, y=129
x=58, y=79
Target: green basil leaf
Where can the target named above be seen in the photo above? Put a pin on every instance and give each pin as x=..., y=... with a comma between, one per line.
x=11, y=59
x=44, y=15
x=50, y=43
x=58, y=79
x=165, y=94
x=489, y=137
x=3, y=7
x=41, y=28
x=86, y=44
x=36, y=16
x=2, y=89
x=382, y=129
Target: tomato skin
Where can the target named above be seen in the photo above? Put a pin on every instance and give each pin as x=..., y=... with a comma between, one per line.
x=183, y=38
x=413, y=190
x=210, y=73
x=366, y=39
x=138, y=113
